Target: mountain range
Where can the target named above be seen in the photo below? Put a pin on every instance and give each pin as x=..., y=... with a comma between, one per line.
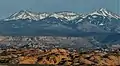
x=64, y=23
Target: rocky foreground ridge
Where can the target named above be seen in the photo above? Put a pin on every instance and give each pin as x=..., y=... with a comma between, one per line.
x=60, y=57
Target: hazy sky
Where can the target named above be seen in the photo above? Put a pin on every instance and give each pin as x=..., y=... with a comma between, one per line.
x=8, y=7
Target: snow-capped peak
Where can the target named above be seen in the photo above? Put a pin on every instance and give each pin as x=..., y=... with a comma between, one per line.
x=68, y=15
x=105, y=12
x=24, y=14
x=65, y=15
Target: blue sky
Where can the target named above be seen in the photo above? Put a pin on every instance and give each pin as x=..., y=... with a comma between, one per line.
x=8, y=7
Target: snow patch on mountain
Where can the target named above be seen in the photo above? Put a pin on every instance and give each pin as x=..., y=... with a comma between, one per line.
x=65, y=15
x=104, y=12
x=24, y=14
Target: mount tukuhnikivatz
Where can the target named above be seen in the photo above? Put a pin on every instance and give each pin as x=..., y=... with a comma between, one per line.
x=64, y=23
